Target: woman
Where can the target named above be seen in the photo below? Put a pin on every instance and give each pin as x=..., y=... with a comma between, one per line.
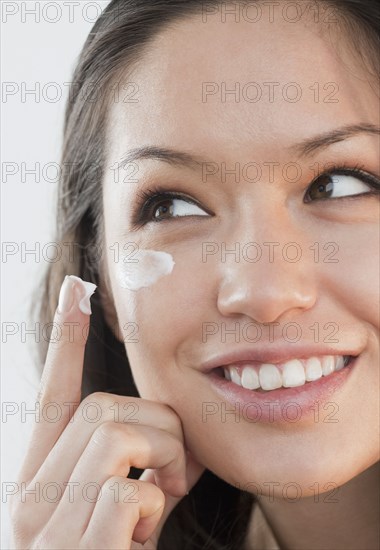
x=220, y=189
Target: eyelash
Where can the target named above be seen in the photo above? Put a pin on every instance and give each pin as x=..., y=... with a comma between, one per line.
x=343, y=169
x=146, y=198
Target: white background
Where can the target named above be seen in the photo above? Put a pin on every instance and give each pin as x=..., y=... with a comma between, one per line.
x=37, y=48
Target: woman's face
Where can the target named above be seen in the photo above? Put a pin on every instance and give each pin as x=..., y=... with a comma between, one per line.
x=242, y=97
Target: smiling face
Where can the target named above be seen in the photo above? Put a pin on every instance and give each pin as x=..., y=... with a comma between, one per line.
x=213, y=302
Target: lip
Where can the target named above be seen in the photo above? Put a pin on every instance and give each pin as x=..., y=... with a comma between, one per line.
x=314, y=401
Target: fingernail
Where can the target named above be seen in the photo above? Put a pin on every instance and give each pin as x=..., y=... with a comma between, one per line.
x=67, y=294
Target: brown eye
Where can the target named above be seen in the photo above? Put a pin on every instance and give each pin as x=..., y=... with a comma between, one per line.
x=340, y=184
x=164, y=210
x=322, y=188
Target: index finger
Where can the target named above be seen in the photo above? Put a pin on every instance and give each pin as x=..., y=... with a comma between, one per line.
x=60, y=387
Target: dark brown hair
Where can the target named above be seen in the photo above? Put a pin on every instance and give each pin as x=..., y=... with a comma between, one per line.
x=214, y=515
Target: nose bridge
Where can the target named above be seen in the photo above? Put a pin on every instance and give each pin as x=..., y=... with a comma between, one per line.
x=267, y=266
x=269, y=231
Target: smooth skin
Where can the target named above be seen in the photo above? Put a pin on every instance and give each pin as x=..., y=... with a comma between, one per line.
x=318, y=455
x=79, y=455
x=167, y=357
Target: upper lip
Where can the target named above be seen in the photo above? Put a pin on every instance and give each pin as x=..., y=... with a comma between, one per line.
x=272, y=354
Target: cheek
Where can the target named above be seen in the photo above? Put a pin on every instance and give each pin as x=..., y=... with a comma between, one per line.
x=354, y=279
x=143, y=268
x=166, y=313
x=171, y=312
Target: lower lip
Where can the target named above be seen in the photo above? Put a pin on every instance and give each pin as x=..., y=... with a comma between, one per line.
x=289, y=405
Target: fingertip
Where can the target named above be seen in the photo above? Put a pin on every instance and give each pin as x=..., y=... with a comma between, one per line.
x=86, y=290
x=175, y=486
x=66, y=296
x=147, y=525
x=75, y=290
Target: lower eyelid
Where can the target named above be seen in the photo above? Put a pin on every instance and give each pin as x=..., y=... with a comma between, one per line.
x=370, y=193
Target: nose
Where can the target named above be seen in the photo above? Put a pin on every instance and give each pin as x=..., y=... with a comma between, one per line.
x=279, y=284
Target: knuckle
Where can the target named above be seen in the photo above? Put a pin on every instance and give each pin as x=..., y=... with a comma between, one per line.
x=108, y=432
x=97, y=400
x=159, y=497
x=178, y=449
x=172, y=422
x=167, y=418
x=98, y=397
x=111, y=482
x=121, y=490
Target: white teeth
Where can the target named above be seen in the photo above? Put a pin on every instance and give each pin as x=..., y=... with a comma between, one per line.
x=235, y=378
x=269, y=377
x=293, y=374
x=313, y=369
x=226, y=374
x=328, y=365
x=250, y=379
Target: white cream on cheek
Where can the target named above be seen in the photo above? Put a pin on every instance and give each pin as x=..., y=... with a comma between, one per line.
x=143, y=269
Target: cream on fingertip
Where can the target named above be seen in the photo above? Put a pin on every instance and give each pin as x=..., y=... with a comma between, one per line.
x=88, y=290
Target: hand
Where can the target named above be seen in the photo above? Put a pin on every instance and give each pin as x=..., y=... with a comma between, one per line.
x=78, y=465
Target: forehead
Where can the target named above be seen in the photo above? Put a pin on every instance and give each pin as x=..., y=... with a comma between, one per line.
x=238, y=87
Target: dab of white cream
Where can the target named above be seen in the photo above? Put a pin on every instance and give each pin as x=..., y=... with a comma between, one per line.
x=150, y=266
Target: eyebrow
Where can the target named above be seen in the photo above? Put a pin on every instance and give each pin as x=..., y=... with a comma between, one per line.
x=321, y=141
x=195, y=162
x=170, y=156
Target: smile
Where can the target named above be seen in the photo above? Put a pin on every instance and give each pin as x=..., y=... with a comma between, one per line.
x=289, y=374
x=267, y=389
